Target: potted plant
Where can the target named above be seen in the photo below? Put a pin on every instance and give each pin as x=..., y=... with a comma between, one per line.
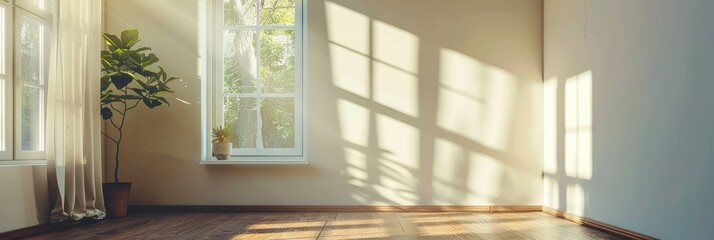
x=129, y=80
x=222, y=142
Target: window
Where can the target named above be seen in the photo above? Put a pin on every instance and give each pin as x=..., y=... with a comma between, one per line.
x=257, y=87
x=24, y=43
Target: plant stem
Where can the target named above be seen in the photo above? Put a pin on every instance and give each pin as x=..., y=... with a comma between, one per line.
x=118, y=142
x=116, y=161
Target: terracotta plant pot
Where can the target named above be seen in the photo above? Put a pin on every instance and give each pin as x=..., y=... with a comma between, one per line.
x=116, y=198
x=222, y=150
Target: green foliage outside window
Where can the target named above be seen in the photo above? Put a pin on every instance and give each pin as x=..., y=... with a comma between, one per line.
x=276, y=72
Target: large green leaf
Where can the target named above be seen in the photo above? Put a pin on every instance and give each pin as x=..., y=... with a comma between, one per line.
x=108, y=97
x=161, y=74
x=105, y=82
x=138, y=91
x=151, y=103
x=123, y=55
x=104, y=94
x=130, y=97
x=148, y=60
x=106, y=113
x=130, y=37
x=113, y=42
x=122, y=80
x=153, y=89
x=142, y=84
x=163, y=88
x=106, y=65
x=162, y=99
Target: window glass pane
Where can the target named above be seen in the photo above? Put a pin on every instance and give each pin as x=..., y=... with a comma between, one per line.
x=277, y=61
x=278, y=122
x=31, y=118
x=277, y=15
x=239, y=12
x=239, y=61
x=278, y=3
x=51, y=4
x=30, y=50
x=240, y=114
x=40, y=4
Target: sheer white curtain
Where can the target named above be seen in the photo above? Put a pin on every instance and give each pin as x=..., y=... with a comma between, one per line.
x=74, y=157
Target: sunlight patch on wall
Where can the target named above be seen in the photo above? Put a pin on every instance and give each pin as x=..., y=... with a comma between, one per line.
x=360, y=198
x=354, y=122
x=398, y=190
x=550, y=126
x=449, y=172
x=396, y=171
x=398, y=141
x=585, y=109
x=571, y=125
x=463, y=73
x=578, y=126
x=551, y=193
x=396, y=89
x=575, y=199
x=396, y=47
x=350, y=70
x=500, y=100
x=399, y=157
x=378, y=63
x=460, y=114
x=475, y=99
x=347, y=27
x=355, y=158
x=486, y=172
x=356, y=164
x=395, y=196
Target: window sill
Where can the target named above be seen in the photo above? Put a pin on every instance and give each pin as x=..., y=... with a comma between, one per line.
x=22, y=163
x=257, y=161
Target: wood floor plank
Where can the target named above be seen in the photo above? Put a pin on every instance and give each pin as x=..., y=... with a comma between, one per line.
x=568, y=228
x=435, y=226
x=158, y=228
x=332, y=225
x=527, y=225
x=291, y=225
x=363, y=225
x=105, y=227
x=229, y=229
x=206, y=225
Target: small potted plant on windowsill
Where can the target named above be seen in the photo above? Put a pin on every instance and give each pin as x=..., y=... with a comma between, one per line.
x=222, y=142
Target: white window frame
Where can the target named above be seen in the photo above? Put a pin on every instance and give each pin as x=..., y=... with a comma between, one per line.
x=212, y=89
x=19, y=84
x=11, y=153
x=6, y=83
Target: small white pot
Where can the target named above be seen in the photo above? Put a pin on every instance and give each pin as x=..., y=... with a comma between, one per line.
x=222, y=150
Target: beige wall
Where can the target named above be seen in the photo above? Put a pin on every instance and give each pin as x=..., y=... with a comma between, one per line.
x=24, y=199
x=628, y=113
x=410, y=103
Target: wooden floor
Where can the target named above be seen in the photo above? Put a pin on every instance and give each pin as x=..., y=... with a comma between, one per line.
x=332, y=225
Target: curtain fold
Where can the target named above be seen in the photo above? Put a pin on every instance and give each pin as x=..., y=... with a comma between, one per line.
x=74, y=159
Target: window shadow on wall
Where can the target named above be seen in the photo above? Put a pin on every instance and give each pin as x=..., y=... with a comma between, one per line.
x=423, y=117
